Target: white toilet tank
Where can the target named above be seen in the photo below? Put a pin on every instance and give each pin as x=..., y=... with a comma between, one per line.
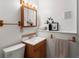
x=16, y=51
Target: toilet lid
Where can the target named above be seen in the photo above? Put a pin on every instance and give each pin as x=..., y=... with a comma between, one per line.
x=14, y=47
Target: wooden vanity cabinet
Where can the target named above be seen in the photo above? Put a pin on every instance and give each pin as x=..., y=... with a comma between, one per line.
x=36, y=51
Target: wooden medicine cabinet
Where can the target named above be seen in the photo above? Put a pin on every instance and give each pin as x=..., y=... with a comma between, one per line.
x=28, y=15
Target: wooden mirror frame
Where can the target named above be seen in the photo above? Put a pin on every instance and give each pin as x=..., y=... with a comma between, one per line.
x=22, y=14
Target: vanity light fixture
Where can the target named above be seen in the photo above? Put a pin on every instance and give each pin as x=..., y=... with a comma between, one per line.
x=29, y=4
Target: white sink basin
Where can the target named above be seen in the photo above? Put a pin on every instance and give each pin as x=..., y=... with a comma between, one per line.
x=34, y=40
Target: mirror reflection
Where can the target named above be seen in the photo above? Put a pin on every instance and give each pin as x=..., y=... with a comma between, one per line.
x=29, y=17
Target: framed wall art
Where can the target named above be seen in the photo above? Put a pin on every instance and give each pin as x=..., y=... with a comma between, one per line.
x=55, y=26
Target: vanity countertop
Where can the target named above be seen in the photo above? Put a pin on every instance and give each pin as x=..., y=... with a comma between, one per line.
x=34, y=40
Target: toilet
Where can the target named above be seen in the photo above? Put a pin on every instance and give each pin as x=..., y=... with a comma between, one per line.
x=16, y=51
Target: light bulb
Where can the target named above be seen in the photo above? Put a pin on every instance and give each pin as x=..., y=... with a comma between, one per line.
x=34, y=6
x=29, y=4
x=20, y=4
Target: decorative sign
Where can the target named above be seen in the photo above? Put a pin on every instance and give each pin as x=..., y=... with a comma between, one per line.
x=55, y=26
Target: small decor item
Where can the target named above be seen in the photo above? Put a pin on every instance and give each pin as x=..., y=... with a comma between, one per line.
x=50, y=27
x=55, y=26
x=50, y=20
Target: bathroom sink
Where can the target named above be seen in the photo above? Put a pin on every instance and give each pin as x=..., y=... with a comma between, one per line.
x=33, y=40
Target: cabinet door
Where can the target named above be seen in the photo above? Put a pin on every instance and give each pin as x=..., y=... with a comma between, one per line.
x=37, y=51
x=41, y=50
x=29, y=51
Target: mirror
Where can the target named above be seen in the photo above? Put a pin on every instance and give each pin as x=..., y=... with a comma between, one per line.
x=28, y=15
